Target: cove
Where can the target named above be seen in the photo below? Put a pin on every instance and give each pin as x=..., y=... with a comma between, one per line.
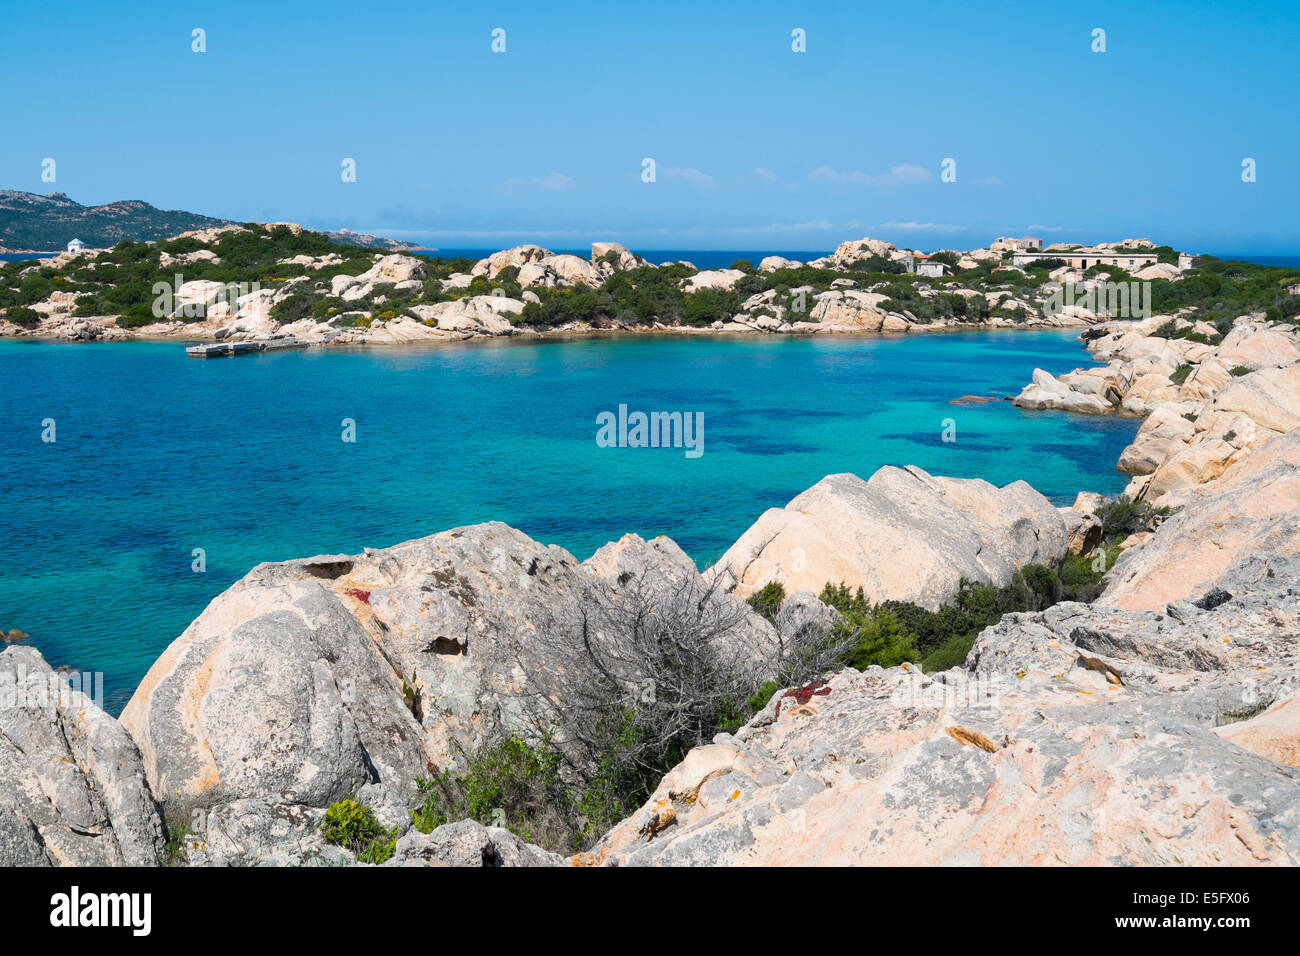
x=244, y=458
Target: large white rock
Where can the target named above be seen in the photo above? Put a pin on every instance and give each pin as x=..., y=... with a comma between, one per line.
x=390, y=270
x=901, y=535
x=1046, y=391
x=72, y=786
x=1256, y=345
x=316, y=680
x=614, y=254
x=712, y=279
x=1219, y=516
x=1245, y=413
x=852, y=310
x=517, y=256
x=561, y=270
x=1081, y=735
x=772, y=263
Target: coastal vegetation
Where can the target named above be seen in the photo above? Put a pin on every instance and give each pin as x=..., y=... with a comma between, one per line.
x=1218, y=291
x=892, y=632
x=297, y=268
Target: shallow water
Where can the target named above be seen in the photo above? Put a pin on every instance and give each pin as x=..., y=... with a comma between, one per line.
x=157, y=455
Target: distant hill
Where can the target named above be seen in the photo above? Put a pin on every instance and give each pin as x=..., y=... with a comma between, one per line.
x=367, y=241
x=29, y=221
x=49, y=223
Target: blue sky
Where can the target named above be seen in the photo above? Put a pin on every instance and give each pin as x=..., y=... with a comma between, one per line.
x=756, y=147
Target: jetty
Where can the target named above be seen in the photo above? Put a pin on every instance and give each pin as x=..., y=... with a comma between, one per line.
x=222, y=349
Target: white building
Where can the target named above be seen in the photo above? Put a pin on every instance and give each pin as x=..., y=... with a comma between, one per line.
x=1026, y=244
x=1084, y=258
x=76, y=245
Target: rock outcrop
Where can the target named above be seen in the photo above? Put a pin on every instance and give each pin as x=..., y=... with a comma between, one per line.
x=73, y=789
x=901, y=535
x=1207, y=406
x=312, y=681
x=1076, y=736
x=1254, y=506
x=712, y=279
x=469, y=844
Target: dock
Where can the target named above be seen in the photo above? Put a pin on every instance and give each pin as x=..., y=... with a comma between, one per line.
x=222, y=349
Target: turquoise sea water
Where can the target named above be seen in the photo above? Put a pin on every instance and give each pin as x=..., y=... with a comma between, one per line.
x=157, y=455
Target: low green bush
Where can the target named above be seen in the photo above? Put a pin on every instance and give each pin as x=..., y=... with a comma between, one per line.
x=892, y=632
x=1122, y=517
x=768, y=600
x=511, y=784
x=349, y=824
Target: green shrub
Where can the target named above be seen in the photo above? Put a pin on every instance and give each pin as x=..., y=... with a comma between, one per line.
x=1081, y=575
x=292, y=308
x=1240, y=370
x=1122, y=517
x=21, y=315
x=512, y=784
x=870, y=635
x=896, y=631
x=881, y=641
x=709, y=305
x=349, y=824
x=951, y=653
x=767, y=602
x=175, y=851
x=1179, y=375
x=843, y=600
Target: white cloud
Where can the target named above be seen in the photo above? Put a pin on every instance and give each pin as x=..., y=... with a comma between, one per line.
x=692, y=177
x=1037, y=227
x=906, y=174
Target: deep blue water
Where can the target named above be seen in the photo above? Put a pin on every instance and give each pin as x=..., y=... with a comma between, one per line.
x=157, y=454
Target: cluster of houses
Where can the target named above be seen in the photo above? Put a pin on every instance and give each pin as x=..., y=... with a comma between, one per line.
x=1132, y=256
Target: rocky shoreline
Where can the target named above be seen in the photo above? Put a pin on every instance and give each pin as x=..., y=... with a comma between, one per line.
x=403, y=299
x=1207, y=401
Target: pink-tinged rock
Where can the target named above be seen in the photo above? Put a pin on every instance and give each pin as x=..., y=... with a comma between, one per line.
x=1274, y=734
